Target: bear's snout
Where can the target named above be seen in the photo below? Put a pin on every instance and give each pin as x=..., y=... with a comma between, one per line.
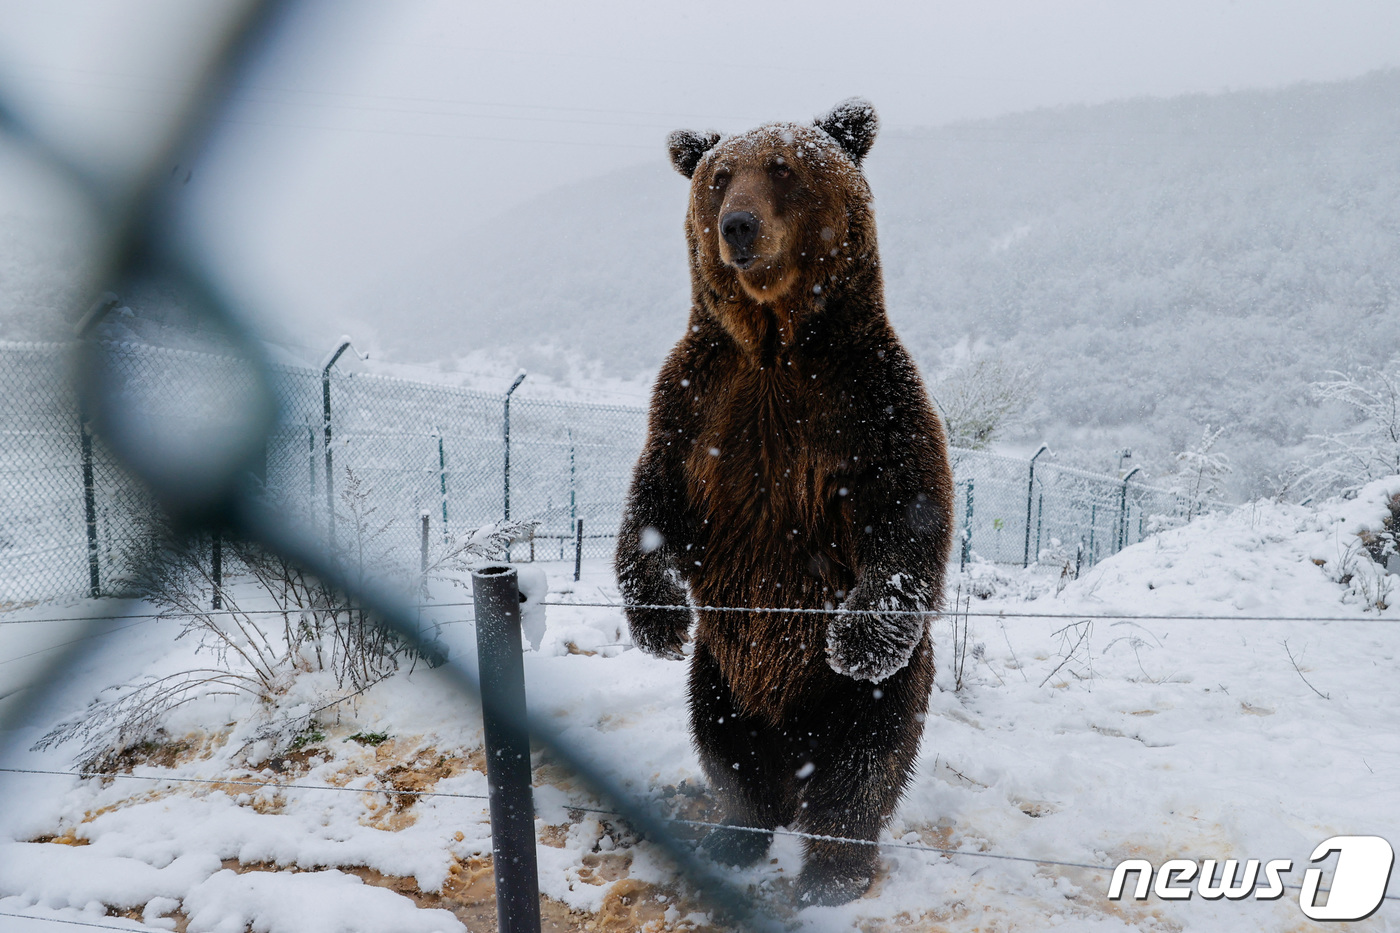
x=740, y=230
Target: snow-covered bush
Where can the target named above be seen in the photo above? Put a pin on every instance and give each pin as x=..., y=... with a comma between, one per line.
x=1366, y=529
x=1199, y=471
x=1369, y=447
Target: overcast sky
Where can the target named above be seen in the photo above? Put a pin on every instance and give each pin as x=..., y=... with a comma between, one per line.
x=379, y=130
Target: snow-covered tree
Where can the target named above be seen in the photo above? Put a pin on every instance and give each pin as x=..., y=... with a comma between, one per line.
x=1369, y=448
x=1199, y=472
x=981, y=397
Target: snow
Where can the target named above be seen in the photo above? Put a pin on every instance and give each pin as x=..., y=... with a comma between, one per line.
x=1180, y=700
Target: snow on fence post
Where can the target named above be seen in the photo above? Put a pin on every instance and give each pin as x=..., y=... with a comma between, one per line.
x=496, y=595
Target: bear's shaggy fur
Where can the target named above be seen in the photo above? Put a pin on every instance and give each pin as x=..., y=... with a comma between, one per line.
x=792, y=462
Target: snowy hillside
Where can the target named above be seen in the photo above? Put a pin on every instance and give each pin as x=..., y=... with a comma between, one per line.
x=1184, y=699
x=1163, y=264
x=1160, y=264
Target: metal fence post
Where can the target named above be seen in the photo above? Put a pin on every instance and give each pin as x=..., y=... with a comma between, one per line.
x=216, y=560
x=573, y=482
x=1123, y=509
x=442, y=478
x=423, y=548
x=578, y=548
x=90, y=509
x=1030, y=495
x=496, y=595
x=967, y=528
x=513, y=386
x=326, y=421
x=1093, y=527
x=1039, y=520
x=311, y=462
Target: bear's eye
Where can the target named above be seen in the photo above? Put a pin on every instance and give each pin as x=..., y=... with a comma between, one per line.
x=721, y=179
x=780, y=172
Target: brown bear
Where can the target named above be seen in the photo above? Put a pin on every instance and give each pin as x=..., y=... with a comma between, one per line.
x=792, y=462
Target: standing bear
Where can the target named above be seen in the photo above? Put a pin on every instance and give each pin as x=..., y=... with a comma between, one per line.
x=792, y=462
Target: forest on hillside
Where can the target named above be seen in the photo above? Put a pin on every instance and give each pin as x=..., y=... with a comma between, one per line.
x=1159, y=265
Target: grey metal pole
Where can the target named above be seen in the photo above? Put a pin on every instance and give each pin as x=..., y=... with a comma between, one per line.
x=1030, y=494
x=496, y=594
x=578, y=549
x=216, y=559
x=423, y=559
x=573, y=482
x=311, y=462
x=967, y=528
x=90, y=509
x=520, y=377
x=442, y=477
x=1039, y=520
x=1093, y=529
x=1123, y=508
x=326, y=423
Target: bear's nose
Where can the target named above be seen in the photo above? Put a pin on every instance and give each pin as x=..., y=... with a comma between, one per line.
x=739, y=228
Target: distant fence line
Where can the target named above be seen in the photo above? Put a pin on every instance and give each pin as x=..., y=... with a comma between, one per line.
x=71, y=518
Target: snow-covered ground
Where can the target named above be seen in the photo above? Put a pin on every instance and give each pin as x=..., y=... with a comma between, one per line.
x=1095, y=721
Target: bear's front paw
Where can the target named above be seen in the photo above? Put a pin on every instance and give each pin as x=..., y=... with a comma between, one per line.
x=660, y=632
x=867, y=646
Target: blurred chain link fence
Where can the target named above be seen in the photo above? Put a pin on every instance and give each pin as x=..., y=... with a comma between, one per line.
x=72, y=523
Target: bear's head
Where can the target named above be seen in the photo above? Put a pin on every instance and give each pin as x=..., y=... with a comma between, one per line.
x=780, y=214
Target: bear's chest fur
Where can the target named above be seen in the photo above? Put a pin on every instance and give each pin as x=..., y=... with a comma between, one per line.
x=768, y=479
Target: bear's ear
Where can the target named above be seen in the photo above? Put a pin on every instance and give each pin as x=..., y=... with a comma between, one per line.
x=853, y=124
x=688, y=147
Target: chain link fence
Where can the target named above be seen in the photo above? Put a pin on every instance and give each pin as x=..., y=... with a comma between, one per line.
x=72, y=520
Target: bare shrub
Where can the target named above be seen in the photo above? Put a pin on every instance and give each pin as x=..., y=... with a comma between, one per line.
x=279, y=623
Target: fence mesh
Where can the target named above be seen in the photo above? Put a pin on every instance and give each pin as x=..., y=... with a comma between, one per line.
x=72, y=522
